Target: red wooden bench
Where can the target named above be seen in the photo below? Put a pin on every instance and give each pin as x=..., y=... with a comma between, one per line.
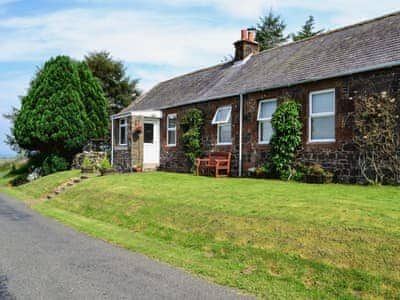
x=217, y=162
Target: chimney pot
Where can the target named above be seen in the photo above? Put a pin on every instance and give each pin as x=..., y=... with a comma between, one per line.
x=245, y=35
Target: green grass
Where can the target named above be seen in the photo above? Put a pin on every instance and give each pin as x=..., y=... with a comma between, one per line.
x=278, y=240
x=39, y=188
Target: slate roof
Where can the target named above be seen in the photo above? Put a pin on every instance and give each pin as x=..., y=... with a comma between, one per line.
x=352, y=49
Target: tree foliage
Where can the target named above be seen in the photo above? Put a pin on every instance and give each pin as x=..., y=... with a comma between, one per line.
x=307, y=30
x=377, y=135
x=120, y=89
x=287, y=137
x=270, y=31
x=54, y=116
x=191, y=125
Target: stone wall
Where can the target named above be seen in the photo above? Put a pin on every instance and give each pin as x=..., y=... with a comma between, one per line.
x=339, y=157
x=125, y=157
x=94, y=157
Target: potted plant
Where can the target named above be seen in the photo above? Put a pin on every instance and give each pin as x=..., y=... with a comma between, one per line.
x=105, y=167
x=316, y=174
x=138, y=129
x=137, y=168
x=87, y=166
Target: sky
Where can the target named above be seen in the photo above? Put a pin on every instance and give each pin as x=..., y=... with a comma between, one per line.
x=156, y=39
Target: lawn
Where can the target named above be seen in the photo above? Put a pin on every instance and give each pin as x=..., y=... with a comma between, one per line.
x=274, y=239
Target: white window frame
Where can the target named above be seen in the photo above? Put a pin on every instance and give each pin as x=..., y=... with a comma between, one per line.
x=264, y=120
x=171, y=116
x=218, y=128
x=125, y=125
x=321, y=115
x=227, y=122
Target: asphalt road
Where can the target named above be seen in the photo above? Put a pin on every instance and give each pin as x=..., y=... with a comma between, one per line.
x=42, y=259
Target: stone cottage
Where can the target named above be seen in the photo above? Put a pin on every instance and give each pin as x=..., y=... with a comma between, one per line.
x=239, y=97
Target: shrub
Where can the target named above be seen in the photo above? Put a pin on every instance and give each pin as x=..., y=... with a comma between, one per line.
x=191, y=125
x=105, y=164
x=86, y=164
x=53, y=164
x=287, y=137
x=19, y=180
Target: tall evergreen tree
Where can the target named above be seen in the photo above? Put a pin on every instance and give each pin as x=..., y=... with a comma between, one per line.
x=270, y=31
x=94, y=101
x=307, y=30
x=119, y=88
x=53, y=119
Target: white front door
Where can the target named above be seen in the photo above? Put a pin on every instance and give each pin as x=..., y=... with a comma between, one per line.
x=151, y=147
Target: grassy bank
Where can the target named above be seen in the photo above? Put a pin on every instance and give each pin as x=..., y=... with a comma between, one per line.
x=270, y=238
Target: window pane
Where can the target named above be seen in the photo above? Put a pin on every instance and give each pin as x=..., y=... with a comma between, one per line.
x=324, y=102
x=122, y=121
x=267, y=109
x=323, y=128
x=171, y=122
x=266, y=131
x=222, y=115
x=148, y=133
x=122, y=134
x=224, y=133
x=171, y=137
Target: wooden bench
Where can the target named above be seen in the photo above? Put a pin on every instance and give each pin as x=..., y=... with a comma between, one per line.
x=217, y=162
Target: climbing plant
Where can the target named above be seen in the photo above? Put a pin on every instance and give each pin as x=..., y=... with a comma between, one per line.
x=287, y=137
x=191, y=125
x=377, y=135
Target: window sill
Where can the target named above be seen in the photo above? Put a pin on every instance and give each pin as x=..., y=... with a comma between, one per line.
x=327, y=141
x=170, y=145
x=224, y=144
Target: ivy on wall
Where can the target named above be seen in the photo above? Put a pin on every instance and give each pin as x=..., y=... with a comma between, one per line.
x=191, y=125
x=287, y=137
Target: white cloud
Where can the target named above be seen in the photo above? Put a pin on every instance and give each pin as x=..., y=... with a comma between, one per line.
x=140, y=37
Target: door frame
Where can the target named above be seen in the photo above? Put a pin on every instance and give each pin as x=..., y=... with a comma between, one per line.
x=156, y=140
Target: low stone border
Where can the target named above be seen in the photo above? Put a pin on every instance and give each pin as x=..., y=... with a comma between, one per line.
x=71, y=183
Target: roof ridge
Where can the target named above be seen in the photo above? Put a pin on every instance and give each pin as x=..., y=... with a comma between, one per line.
x=329, y=32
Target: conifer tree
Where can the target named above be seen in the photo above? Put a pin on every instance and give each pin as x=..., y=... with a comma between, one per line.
x=270, y=31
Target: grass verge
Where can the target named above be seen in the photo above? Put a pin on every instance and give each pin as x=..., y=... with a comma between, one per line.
x=274, y=239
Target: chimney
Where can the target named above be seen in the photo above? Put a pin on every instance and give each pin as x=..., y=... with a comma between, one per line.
x=246, y=45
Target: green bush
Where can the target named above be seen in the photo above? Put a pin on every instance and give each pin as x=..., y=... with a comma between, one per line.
x=86, y=164
x=20, y=179
x=287, y=137
x=53, y=164
x=105, y=164
x=191, y=125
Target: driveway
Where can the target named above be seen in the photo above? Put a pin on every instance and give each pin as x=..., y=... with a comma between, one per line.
x=42, y=259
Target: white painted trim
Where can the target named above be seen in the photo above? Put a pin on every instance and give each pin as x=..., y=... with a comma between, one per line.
x=222, y=124
x=263, y=120
x=156, y=114
x=259, y=108
x=112, y=142
x=214, y=122
x=321, y=115
x=126, y=131
x=171, y=116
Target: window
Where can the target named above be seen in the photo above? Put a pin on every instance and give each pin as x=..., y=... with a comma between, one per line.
x=148, y=133
x=266, y=108
x=222, y=118
x=322, y=116
x=171, y=130
x=123, y=132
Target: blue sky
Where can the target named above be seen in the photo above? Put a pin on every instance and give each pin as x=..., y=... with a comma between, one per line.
x=157, y=39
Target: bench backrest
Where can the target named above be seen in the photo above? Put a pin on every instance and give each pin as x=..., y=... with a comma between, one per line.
x=219, y=155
